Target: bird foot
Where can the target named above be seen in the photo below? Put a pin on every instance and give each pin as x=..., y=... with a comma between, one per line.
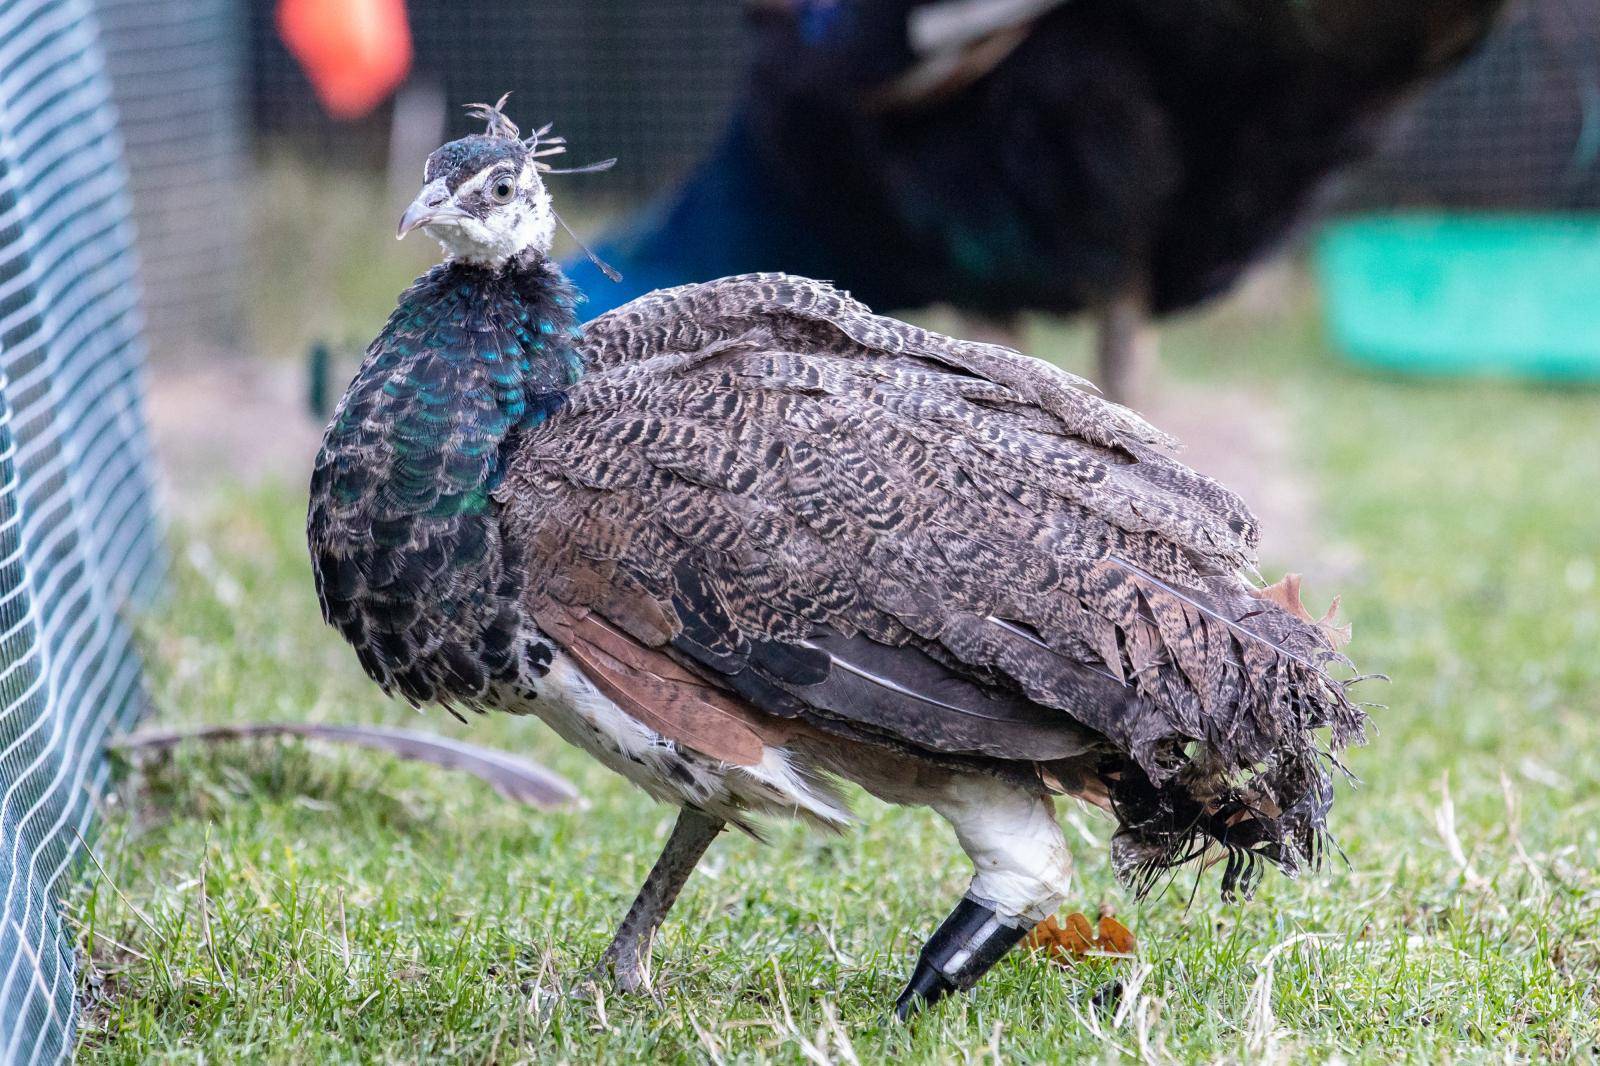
x=1069, y=942
x=620, y=970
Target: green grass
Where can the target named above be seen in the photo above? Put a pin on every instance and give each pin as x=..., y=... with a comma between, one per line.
x=278, y=902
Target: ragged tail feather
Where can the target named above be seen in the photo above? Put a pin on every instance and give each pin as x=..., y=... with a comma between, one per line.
x=1262, y=802
x=1277, y=816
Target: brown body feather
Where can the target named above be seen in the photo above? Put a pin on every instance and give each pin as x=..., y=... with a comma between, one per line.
x=764, y=504
x=661, y=693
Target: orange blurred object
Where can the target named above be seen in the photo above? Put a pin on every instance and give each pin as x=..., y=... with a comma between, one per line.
x=356, y=52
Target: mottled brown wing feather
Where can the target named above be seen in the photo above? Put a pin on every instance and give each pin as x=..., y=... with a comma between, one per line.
x=695, y=318
x=755, y=462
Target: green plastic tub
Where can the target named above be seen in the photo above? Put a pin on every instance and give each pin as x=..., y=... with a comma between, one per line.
x=1511, y=295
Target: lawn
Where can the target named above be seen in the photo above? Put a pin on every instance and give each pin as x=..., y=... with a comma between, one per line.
x=284, y=902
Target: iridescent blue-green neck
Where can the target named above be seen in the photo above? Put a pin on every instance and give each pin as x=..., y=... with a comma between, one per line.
x=469, y=357
x=405, y=545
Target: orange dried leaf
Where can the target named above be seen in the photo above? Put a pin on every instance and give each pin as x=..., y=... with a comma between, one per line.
x=1286, y=594
x=1116, y=938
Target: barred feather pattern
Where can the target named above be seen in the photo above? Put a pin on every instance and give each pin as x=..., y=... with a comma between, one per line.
x=873, y=538
x=410, y=564
x=757, y=466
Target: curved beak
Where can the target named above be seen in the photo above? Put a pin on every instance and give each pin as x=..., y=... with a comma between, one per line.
x=432, y=205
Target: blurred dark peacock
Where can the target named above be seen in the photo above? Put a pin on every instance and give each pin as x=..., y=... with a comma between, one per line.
x=742, y=538
x=1125, y=157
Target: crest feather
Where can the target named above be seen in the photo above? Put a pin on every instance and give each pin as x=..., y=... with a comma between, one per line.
x=500, y=125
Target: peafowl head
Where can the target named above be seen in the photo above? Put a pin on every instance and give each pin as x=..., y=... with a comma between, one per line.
x=483, y=197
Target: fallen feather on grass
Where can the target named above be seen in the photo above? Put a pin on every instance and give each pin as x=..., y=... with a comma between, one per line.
x=513, y=777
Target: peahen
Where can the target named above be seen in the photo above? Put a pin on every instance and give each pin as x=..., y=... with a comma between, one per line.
x=1125, y=157
x=740, y=540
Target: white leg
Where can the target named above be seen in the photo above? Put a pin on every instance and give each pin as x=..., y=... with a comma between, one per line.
x=1023, y=873
x=1023, y=868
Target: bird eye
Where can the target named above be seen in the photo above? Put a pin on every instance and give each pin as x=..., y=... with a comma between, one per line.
x=500, y=192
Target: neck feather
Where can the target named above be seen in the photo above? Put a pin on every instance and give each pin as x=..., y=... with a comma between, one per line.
x=469, y=358
x=407, y=555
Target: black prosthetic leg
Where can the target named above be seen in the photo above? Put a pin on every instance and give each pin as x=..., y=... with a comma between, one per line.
x=964, y=948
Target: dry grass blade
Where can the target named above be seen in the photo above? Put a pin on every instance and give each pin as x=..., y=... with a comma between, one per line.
x=1263, y=1033
x=1445, y=820
x=513, y=777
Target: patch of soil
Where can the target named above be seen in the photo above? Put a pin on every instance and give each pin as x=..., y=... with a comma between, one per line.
x=1240, y=437
x=229, y=421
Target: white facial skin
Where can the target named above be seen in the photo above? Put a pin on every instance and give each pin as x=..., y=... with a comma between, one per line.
x=475, y=226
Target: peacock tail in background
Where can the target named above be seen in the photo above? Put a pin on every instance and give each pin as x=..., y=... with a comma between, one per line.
x=1050, y=156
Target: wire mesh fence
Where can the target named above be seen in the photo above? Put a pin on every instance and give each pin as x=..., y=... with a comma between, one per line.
x=176, y=71
x=648, y=81
x=78, y=542
x=1516, y=127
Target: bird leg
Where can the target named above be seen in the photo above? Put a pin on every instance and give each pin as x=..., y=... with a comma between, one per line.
x=1127, y=347
x=1024, y=872
x=628, y=956
x=964, y=948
